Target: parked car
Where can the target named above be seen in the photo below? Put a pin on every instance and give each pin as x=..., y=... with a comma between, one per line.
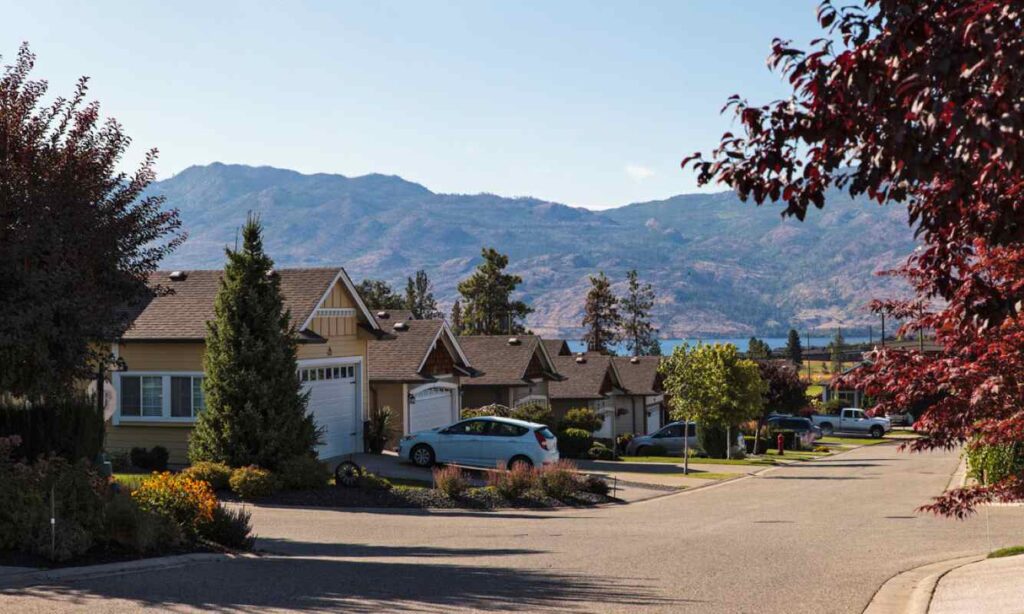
x=805, y=431
x=670, y=437
x=853, y=421
x=488, y=441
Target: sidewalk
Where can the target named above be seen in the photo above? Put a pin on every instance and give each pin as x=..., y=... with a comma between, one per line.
x=990, y=585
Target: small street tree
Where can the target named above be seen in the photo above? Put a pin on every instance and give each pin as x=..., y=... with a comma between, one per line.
x=419, y=297
x=714, y=386
x=784, y=392
x=601, y=320
x=794, y=351
x=78, y=237
x=456, y=318
x=255, y=408
x=637, y=330
x=378, y=295
x=487, y=304
x=916, y=105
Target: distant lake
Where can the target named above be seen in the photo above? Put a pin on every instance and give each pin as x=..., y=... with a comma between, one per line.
x=775, y=343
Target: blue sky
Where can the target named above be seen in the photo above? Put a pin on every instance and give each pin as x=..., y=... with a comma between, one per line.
x=588, y=103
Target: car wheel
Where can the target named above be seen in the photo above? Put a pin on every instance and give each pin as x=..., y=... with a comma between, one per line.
x=826, y=429
x=347, y=474
x=422, y=456
x=517, y=462
x=877, y=432
x=641, y=451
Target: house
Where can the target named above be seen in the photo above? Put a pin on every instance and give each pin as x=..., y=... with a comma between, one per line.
x=159, y=385
x=416, y=372
x=644, y=398
x=511, y=370
x=631, y=386
x=590, y=381
x=850, y=397
x=557, y=347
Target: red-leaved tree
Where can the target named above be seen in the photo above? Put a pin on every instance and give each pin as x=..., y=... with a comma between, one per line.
x=920, y=103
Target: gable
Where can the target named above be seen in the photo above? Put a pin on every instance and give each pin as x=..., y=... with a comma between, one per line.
x=337, y=315
x=439, y=362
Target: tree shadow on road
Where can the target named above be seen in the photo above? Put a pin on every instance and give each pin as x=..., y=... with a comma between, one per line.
x=303, y=584
x=341, y=550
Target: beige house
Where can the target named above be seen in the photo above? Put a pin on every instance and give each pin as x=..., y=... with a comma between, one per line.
x=159, y=388
x=511, y=371
x=644, y=399
x=416, y=371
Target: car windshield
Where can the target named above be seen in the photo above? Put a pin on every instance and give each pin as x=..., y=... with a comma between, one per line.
x=546, y=433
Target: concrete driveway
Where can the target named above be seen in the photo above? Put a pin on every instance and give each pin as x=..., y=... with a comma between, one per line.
x=815, y=537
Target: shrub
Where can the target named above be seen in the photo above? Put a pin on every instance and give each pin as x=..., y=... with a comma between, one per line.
x=595, y=484
x=184, y=500
x=377, y=429
x=622, y=441
x=559, y=480
x=252, y=482
x=600, y=452
x=303, y=473
x=231, y=528
x=119, y=461
x=154, y=459
x=763, y=444
x=513, y=483
x=582, y=418
x=533, y=412
x=450, y=480
x=574, y=443
x=214, y=474
x=369, y=481
x=991, y=464
x=832, y=407
x=129, y=526
x=712, y=439
x=495, y=409
x=71, y=428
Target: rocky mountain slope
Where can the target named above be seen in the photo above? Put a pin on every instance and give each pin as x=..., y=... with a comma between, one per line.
x=719, y=266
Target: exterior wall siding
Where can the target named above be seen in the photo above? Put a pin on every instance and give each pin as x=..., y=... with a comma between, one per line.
x=141, y=356
x=174, y=437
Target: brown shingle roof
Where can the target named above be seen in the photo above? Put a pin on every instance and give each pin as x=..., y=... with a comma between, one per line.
x=583, y=380
x=557, y=347
x=399, y=357
x=182, y=314
x=499, y=362
x=640, y=378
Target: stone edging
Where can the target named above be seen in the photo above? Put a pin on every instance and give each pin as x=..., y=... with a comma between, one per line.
x=910, y=592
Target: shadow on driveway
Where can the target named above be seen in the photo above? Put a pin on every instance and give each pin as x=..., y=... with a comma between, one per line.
x=297, y=548
x=306, y=584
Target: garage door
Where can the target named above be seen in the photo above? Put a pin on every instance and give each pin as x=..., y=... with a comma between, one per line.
x=332, y=403
x=432, y=408
x=653, y=418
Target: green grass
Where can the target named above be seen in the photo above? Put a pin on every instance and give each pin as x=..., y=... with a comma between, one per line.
x=710, y=475
x=1002, y=552
x=853, y=441
x=675, y=460
x=130, y=481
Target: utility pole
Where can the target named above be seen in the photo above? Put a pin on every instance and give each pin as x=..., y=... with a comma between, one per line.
x=883, y=330
x=871, y=338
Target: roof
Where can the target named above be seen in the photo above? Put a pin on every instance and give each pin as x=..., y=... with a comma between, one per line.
x=640, y=377
x=400, y=357
x=557, y=347
x=182, y=312
x=584, y=374
x=501, y=362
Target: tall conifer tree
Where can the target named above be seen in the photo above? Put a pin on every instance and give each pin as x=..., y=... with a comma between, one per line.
x=487, y=306
x=637, y=330
x=601, y=320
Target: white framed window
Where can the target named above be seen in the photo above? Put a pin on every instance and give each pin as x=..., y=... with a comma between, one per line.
x=316, y=374
x=187, y=398
x=174, y=397
x=331, y=312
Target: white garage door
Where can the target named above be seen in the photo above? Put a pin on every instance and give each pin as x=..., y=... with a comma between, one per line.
x=433, y=407
x=332, y=403
x=653, y=418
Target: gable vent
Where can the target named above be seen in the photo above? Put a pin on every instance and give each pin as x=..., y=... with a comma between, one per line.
x=514, y=341
x=178, y=276
x=400, y=326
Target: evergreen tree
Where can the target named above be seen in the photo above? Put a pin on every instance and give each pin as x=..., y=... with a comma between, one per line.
x=488, y=308
x=255, y=408
x=601, y=319
x=419, y=297
x=456, y=318
x=794, y=350
x=378, y=295
x=637, y=330
x=835, y=350
x=758, y=350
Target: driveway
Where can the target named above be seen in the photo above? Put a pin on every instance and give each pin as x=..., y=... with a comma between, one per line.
x=815, y=537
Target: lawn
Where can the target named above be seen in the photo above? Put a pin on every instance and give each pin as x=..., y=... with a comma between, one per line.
x=676, y=460
x=1002, y=552
x=710, y=475
x=852, y=441
x=131, y=481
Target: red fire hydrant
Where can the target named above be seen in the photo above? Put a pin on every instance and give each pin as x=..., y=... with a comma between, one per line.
x=780, y=441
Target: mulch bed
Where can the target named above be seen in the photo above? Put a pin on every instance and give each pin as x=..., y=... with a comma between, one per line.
x=422, y=498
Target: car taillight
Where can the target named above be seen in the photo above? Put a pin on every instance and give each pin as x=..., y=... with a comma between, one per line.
x=540, y=439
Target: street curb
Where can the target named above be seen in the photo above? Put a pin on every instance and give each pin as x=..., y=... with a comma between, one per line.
x=112, y=569
x=911, y=591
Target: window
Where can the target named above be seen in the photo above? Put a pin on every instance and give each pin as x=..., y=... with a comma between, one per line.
x=187, y=398
x=502, y=429
x=316, y=374
x=142, y=396
x=469, y=427
x=675, y=430
x=161, y=396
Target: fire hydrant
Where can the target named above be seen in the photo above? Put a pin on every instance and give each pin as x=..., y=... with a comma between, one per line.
x=780, y=441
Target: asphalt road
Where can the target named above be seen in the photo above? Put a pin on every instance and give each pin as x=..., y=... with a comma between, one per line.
x=815, y=537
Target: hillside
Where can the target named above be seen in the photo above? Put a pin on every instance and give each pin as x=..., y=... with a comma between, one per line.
x=720, y=266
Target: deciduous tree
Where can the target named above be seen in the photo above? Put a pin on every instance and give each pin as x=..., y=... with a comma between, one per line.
x=601, y=320
x=487, y=304
x=639, y=333
x=78, y=237
x=916, y=104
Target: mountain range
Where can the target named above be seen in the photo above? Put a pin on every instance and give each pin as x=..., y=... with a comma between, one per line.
x=719, y=266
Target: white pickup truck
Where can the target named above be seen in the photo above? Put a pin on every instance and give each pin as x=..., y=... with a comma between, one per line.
x=851, y=420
